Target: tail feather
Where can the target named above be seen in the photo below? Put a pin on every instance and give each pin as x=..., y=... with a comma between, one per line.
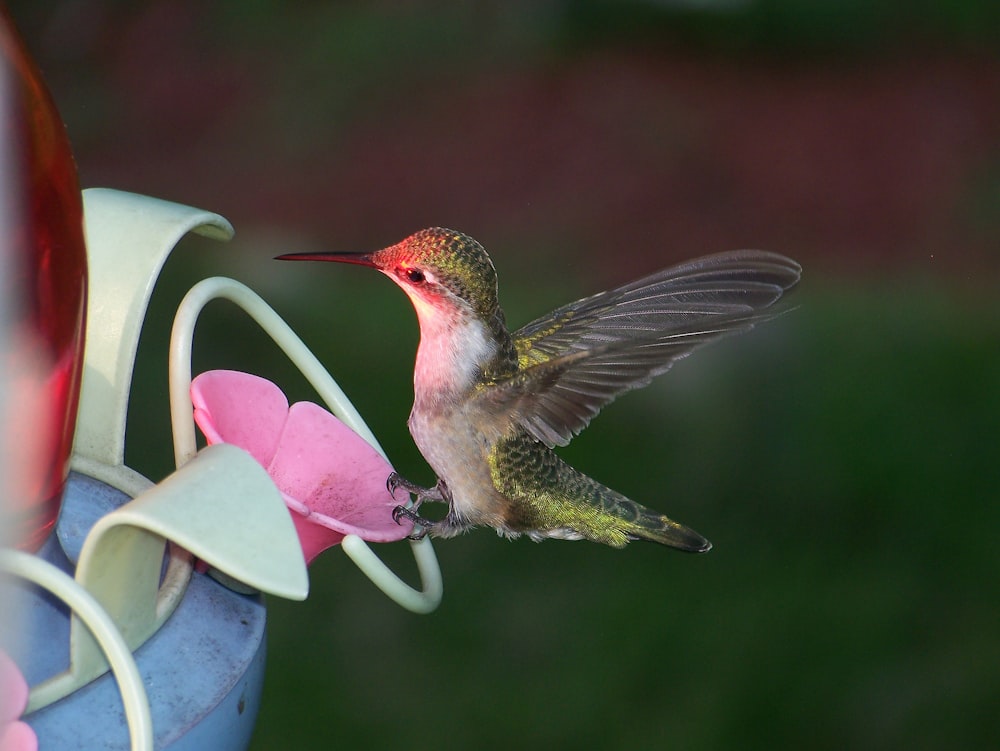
x=659, y=528
x=546, y=497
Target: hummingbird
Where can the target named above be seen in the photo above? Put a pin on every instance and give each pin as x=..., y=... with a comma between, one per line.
x=490, y=405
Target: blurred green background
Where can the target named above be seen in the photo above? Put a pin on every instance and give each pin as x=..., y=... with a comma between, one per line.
x=844, y=459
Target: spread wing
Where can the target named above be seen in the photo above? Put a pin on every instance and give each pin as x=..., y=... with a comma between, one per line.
x=581, y=356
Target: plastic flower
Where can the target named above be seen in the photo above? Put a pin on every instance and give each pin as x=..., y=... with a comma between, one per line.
x=331, y=479
x=14, y=734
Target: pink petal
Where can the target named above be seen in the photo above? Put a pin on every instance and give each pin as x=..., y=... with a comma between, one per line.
x=314, y=538
x=13, y=689
x=332, y=481
x=334, y=471
x=240, y=408
x=18, y=736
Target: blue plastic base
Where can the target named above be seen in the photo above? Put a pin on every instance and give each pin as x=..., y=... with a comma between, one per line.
x=203, y=671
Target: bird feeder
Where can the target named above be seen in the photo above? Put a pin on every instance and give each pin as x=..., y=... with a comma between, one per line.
x=134, y=609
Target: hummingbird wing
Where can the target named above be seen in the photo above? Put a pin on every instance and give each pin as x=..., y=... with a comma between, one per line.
x=581, y=356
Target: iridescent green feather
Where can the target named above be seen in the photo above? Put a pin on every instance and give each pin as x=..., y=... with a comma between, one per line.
x=546, y=493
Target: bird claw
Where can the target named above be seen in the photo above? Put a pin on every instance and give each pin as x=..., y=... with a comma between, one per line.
x=422, y=526
x=395, y=481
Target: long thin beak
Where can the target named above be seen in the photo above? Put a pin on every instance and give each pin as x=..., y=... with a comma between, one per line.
x=362, y=259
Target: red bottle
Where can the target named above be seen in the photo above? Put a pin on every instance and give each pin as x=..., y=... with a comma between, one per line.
x=43, y=288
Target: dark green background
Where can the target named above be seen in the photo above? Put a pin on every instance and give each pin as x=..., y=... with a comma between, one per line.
x=844, y=459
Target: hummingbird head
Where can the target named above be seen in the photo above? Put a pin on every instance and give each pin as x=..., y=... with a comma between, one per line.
x=439, y=269
x=452, y=284
x=442, y=268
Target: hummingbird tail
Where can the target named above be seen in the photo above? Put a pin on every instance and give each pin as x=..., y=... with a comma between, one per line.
x=659, y=528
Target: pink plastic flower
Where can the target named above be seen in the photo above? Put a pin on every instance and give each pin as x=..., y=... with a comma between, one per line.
x=332, y=480
x=14, y=734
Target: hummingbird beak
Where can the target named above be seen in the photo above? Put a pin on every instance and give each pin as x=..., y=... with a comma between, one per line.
x=362, y=259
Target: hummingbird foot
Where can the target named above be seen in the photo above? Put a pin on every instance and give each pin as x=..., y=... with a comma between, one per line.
x=438, y=493
x=421, y=525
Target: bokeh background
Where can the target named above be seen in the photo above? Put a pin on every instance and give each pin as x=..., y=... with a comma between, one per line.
x=844, y=459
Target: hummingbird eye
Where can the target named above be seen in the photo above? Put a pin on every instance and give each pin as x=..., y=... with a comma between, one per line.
x=416, y=276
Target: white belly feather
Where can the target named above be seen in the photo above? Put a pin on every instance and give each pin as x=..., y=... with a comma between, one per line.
x=451, y=354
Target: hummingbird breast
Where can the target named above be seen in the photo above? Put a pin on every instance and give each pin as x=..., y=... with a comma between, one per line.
x=454, y=348
x=452, y=431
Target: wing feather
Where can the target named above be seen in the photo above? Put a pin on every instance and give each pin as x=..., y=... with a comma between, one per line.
x=581, y=356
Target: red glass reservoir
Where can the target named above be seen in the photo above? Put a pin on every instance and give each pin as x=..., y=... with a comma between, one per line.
x=43, y=295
